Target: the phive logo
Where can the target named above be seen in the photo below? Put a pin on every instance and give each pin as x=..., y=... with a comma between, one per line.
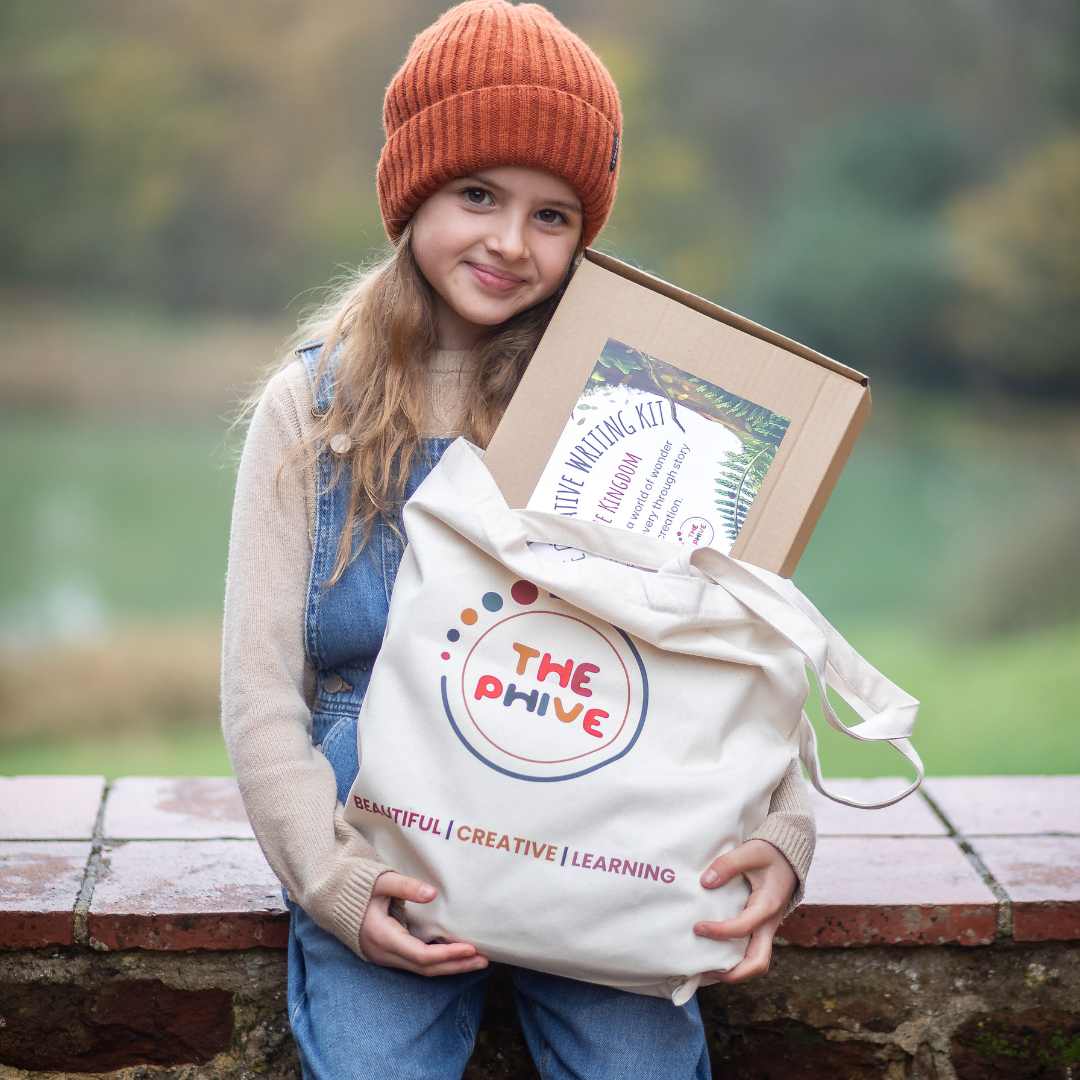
x=545, y=693
x=570, y=676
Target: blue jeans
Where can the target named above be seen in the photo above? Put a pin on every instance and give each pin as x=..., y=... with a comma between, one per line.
x=353, y=1019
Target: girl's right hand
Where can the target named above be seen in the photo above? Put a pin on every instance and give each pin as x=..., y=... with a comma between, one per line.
x=385, y=941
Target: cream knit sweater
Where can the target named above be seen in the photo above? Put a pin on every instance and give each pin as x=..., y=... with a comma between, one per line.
x=268, y=684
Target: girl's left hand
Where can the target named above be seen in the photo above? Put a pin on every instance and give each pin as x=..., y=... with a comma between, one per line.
x=772, y=883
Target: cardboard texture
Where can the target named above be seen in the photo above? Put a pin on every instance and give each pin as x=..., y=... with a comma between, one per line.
x=704, y=354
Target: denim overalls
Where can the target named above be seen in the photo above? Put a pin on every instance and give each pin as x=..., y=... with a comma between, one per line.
x=356, y=1019
x=344, y=625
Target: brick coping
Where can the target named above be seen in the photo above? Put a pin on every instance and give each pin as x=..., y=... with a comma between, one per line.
x=171, y=864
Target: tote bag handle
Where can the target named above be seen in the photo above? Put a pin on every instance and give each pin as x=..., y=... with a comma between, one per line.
x=887, y=712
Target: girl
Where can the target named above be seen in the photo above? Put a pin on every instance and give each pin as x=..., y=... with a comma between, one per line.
x=500, y=166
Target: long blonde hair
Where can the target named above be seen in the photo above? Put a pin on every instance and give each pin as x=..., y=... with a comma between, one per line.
x=383, y=317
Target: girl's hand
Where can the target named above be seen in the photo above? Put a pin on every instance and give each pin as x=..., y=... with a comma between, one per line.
x=772, y=883
x=385, y=941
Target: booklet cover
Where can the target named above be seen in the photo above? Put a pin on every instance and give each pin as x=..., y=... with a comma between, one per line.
x=652, y=448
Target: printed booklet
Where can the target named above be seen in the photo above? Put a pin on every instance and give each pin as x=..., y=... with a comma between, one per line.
x=652, y=448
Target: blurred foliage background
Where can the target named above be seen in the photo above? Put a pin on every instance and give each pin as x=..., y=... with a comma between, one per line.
x=896, y=185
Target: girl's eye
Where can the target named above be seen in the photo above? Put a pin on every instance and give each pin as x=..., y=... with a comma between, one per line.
x=559, y=218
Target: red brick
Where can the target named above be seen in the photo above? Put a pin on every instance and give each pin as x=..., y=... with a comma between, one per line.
x=1041, y=875
x=909, y=817
x=892, y=891
x=39, y=885
x=1008, y=805
x=186, y=894
x=179, y=808
x=49, y=807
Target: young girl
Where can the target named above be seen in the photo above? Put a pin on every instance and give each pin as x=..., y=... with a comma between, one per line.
x=500, y=166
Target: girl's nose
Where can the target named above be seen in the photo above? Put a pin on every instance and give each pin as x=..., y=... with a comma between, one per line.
x=508, y=238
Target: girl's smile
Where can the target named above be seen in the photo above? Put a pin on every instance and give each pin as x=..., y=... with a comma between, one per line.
x=493, y=244
x=491, y=278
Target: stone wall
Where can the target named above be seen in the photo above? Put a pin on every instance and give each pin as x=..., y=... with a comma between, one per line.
x=142, y=935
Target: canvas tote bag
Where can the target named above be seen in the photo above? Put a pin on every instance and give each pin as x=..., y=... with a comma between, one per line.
x=561, y=748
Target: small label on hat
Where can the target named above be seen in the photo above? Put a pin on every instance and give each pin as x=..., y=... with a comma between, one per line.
x=614, y=153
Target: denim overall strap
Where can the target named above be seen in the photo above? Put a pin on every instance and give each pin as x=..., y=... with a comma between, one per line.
x=344, y=623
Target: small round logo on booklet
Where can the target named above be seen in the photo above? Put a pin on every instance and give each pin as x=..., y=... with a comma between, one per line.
x=539, y=690
x=695, y=532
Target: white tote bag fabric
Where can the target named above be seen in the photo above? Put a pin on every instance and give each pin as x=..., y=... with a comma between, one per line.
x=561, y=748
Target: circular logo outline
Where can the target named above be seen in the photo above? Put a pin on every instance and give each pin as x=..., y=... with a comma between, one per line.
x=542, y=761
x=444, y=682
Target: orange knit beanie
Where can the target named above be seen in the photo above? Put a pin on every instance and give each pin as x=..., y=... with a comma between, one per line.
x=493, y=83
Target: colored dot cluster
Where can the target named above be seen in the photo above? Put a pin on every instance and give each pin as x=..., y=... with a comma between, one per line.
x=521, y=592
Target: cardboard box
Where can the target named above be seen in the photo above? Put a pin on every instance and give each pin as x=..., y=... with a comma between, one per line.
x=619, y=331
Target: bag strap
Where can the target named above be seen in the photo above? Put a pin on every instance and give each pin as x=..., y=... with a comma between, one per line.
x=887, y=712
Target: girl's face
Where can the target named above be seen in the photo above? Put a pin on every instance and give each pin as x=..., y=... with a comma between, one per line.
x=492, y=244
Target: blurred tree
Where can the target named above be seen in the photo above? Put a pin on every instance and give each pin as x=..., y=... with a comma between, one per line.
x=1017, y=247
x=670, y=216
x=224, y=155
x=196, y=155
x=747, y=79
x=1027, y=578
x=853, y=259
x=1058, y=70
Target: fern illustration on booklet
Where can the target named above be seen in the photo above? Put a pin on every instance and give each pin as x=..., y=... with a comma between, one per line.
x=654, y=449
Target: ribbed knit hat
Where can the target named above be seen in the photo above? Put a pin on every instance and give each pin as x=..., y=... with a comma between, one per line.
x=492, y=83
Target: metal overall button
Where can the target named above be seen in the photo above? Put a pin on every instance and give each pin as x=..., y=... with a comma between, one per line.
x=334, y=684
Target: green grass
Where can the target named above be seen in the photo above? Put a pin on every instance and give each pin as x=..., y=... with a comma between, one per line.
x=102, y=519
x=931, y=495
x=196, y=751
x=941, y=509
x=1003, y=706
x=132, y=519
x=988, y=707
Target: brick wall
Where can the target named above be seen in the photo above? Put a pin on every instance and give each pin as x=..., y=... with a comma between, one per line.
x=142, y=934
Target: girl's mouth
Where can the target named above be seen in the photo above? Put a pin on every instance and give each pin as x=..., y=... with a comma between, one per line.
x=493, y=281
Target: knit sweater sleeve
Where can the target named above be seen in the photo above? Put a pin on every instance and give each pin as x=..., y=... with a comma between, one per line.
x=790, y=827
x=287, y=786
